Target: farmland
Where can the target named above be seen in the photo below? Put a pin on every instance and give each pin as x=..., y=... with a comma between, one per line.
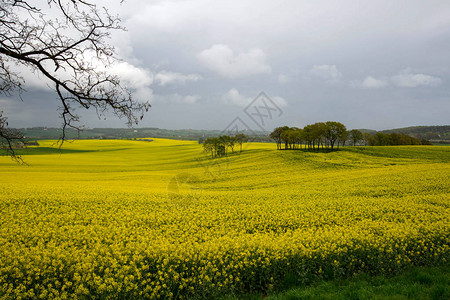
x=161, y=219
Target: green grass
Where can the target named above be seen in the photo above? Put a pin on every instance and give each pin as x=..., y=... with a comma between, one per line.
x=42, y=151
x=416, y=283
x=423, y=153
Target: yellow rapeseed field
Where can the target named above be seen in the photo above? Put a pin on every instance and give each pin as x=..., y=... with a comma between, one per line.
x=160, y=219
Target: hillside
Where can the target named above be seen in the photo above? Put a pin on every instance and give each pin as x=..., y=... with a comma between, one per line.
x=434, y=134
x=128, y=133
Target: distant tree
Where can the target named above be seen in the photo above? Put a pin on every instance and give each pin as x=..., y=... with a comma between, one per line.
x=240, y=139
x=368, y=139
x=208, y=146
x=403, y=139
x=296, y=136
x=230, y=142
x=391, y=139
x=343, y=137
x=215, y=146
x=308, y=135
x=290, y=137
x=415, y=141
x=382, y=139
x=221, y=150
x=224, y=139
x=318, y=133
x=334, y=132
x=424, y=141
x=218, y=146
x=276, y=135
x=285, y=138
x=327, y=134
x=398, y=139
x=355, y=136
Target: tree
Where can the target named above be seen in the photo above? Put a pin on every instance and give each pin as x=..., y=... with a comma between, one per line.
x=227, y=141
x=424, y=141
x=9, y=138
x=221, y=150
x=286, y=139
x=334, y=131
x=71, y=51
x=231, y=143
x=368, y=139
x=208, y=147
x=355, y=136
x=343, y=137
x=296, y=136
x=212, y=145
x=276, y=135
x=318, y=132
x=218, y=145
x=381, y=139
x=308, y=135
x=240, y=139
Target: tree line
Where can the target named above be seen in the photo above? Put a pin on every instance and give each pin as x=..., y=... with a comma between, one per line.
x=393, y=139
x=220, y=146
x=330, y=135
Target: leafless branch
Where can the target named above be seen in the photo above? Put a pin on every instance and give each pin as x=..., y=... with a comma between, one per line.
x=10, y=139
x=71, y=51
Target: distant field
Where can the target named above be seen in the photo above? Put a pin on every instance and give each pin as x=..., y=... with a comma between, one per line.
x=130, y=219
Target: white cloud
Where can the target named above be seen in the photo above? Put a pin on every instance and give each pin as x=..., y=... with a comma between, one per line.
x=191, y=99
x=131, y=75
x=177, y=98
x=282, y=78
x=136, y=78
x=406, y=78
x=372, y=83
x=32, y=78
x=369, y=83
x=326, y=72
x=234, y=97
x=221, y=59
x=167, y=77
x=279, y=101
x=144, y=94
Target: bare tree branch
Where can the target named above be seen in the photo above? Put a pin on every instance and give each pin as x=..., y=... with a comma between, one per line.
x=10, y=139
x=71, y=51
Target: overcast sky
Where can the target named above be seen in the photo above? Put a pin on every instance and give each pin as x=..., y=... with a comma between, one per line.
x=368, y=64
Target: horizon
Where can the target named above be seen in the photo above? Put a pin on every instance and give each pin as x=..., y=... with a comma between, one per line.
x=219, y=130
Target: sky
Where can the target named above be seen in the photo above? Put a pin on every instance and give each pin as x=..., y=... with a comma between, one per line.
x=203, y=64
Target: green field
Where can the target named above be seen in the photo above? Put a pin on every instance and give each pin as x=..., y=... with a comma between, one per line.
x=421, y=283
x=133, y=219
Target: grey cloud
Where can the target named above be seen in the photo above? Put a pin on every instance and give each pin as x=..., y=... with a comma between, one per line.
x=378, y=64
x=370, y=83
x=407, y=78
x=327, y=72
x=221, y=59
x=167, y=77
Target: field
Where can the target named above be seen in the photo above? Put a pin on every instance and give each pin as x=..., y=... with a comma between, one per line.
x=160, y=219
